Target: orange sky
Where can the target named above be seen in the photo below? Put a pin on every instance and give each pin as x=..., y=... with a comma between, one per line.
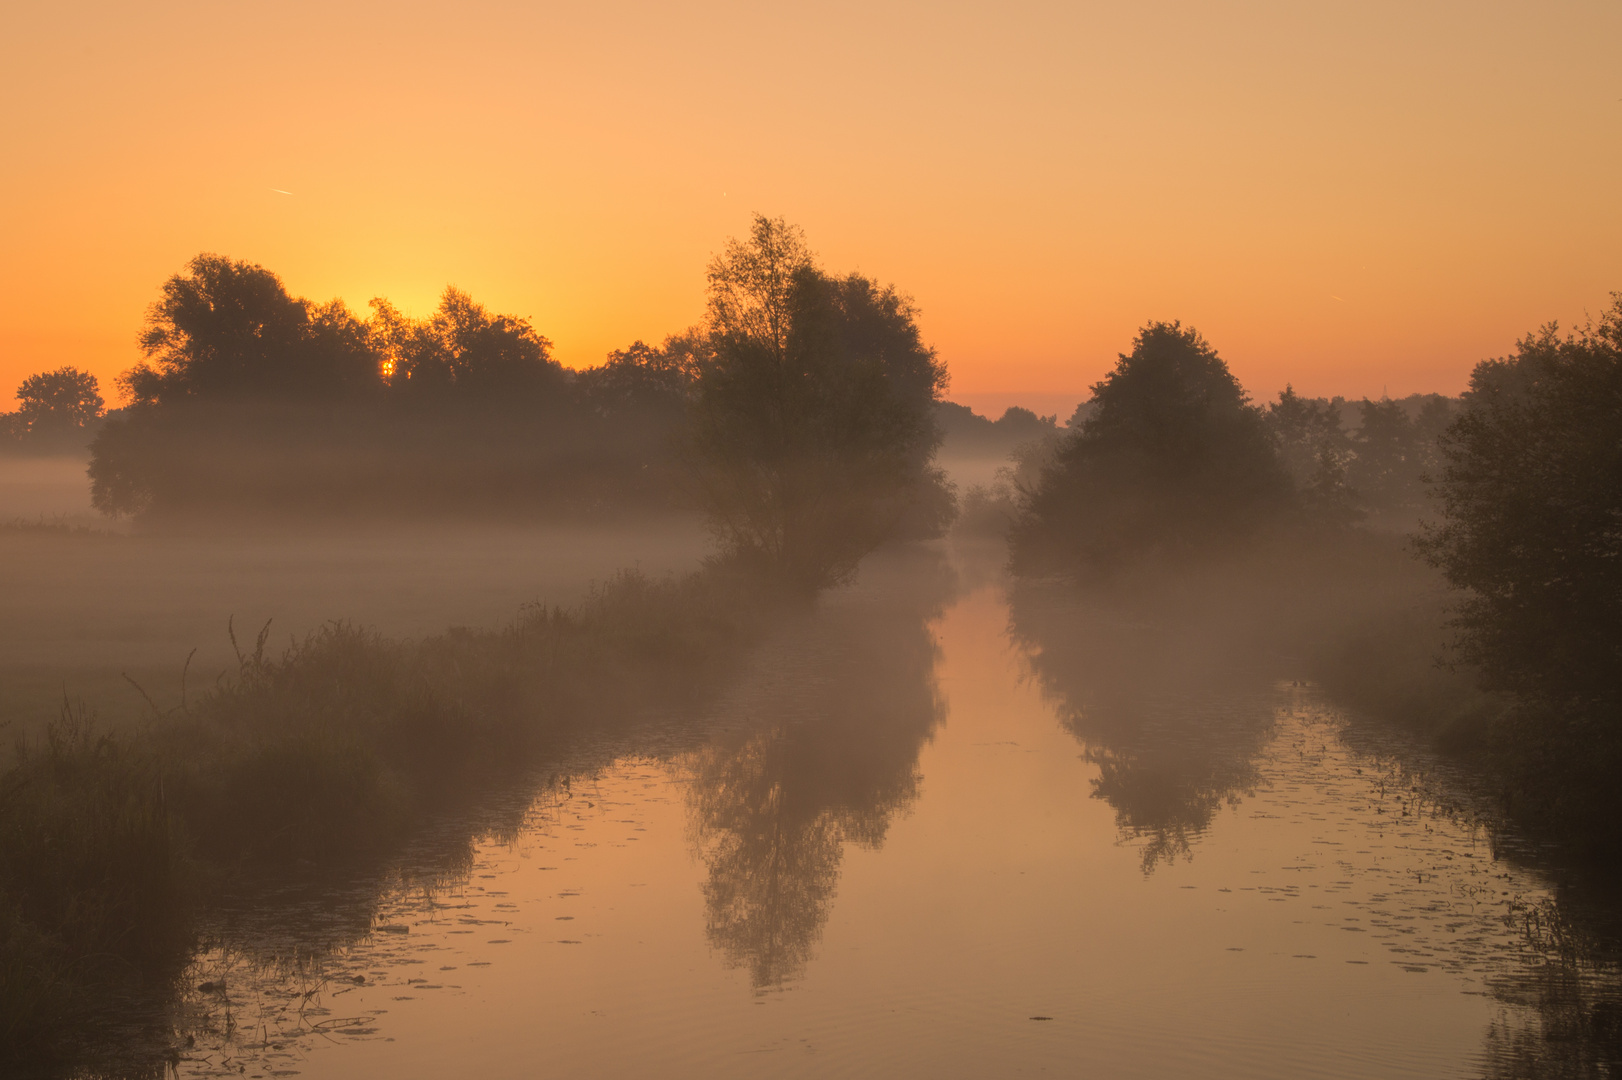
x=1350, y=196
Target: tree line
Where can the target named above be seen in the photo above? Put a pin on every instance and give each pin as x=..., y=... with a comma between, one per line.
x=1173, y=463
x=799, y=413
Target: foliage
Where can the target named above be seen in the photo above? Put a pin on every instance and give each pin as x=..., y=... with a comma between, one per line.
x=66, y=398
x=812, y=410
x=58, y=410
x=643, y=379
x=1531, y=525
x=250, y=400
x=464, y=349
x=1315, y=450
x=229, y=329
x=1173, y=459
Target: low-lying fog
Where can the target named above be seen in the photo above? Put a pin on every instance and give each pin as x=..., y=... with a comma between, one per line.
x=88, y=601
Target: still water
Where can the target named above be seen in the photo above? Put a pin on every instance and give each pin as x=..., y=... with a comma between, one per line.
x=928, y=835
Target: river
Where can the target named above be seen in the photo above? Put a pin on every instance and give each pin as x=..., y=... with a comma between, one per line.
x=928, y=835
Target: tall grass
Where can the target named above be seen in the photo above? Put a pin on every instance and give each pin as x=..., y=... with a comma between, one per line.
x=333, y=751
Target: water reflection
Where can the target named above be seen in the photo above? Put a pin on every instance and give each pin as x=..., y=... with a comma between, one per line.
x=1172, y=719
x=1361, y=916
x=826, y=754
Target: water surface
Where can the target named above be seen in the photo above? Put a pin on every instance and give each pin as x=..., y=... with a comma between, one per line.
x=927, y=836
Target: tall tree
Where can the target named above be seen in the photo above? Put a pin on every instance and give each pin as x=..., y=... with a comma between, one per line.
x=1531, y=525
x=813, y=409
x=1172, y=459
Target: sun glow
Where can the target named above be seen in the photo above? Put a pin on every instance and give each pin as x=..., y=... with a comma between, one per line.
x=1325, y=197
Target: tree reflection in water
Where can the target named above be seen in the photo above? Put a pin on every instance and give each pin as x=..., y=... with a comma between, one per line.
x=1176, y=706
x=825, y=754
x=1171, y=709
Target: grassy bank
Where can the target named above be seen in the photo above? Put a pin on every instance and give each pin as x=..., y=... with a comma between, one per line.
x=112, y=843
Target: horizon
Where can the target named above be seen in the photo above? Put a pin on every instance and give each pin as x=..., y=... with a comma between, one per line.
x=1328, y=196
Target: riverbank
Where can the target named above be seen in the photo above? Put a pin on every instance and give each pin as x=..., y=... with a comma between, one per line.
x=1356, y=613
x=112, y=842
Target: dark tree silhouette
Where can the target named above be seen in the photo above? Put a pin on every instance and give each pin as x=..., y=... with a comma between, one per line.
x=253, y=399
x=1172, y=459
x=813, y=411
x=228, y=329
x=1531, y=525
x=58, y=409
x=643, y=379
x=807, y=398
x=64, y=398
x=465, y=350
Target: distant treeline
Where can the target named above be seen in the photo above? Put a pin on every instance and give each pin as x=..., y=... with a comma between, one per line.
x=249, y=398
x=799, y=414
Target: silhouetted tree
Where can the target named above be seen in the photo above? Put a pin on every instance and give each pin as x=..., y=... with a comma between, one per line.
x=227, y=329
x=1531, y=523
x=813, y=410
x=58, y=410
x=464, y=349
x=66, y=398
x=252, y=398
x=643, y=379
x=1172, y=459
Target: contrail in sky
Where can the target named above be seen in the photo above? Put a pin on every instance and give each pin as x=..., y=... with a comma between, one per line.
x=279, y=191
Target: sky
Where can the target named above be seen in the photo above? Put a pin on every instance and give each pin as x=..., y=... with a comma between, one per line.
x=1356, y=198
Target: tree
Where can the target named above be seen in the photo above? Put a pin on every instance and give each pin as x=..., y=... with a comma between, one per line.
x=59, y=402
x=1314, y=449
x=1531, y=525
x=642, y=380
x=463, y=349
x=1172, y=459
x=813, y=411
x=226, y=329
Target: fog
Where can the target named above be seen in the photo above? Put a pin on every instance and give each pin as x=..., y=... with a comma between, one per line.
x=92, y=604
